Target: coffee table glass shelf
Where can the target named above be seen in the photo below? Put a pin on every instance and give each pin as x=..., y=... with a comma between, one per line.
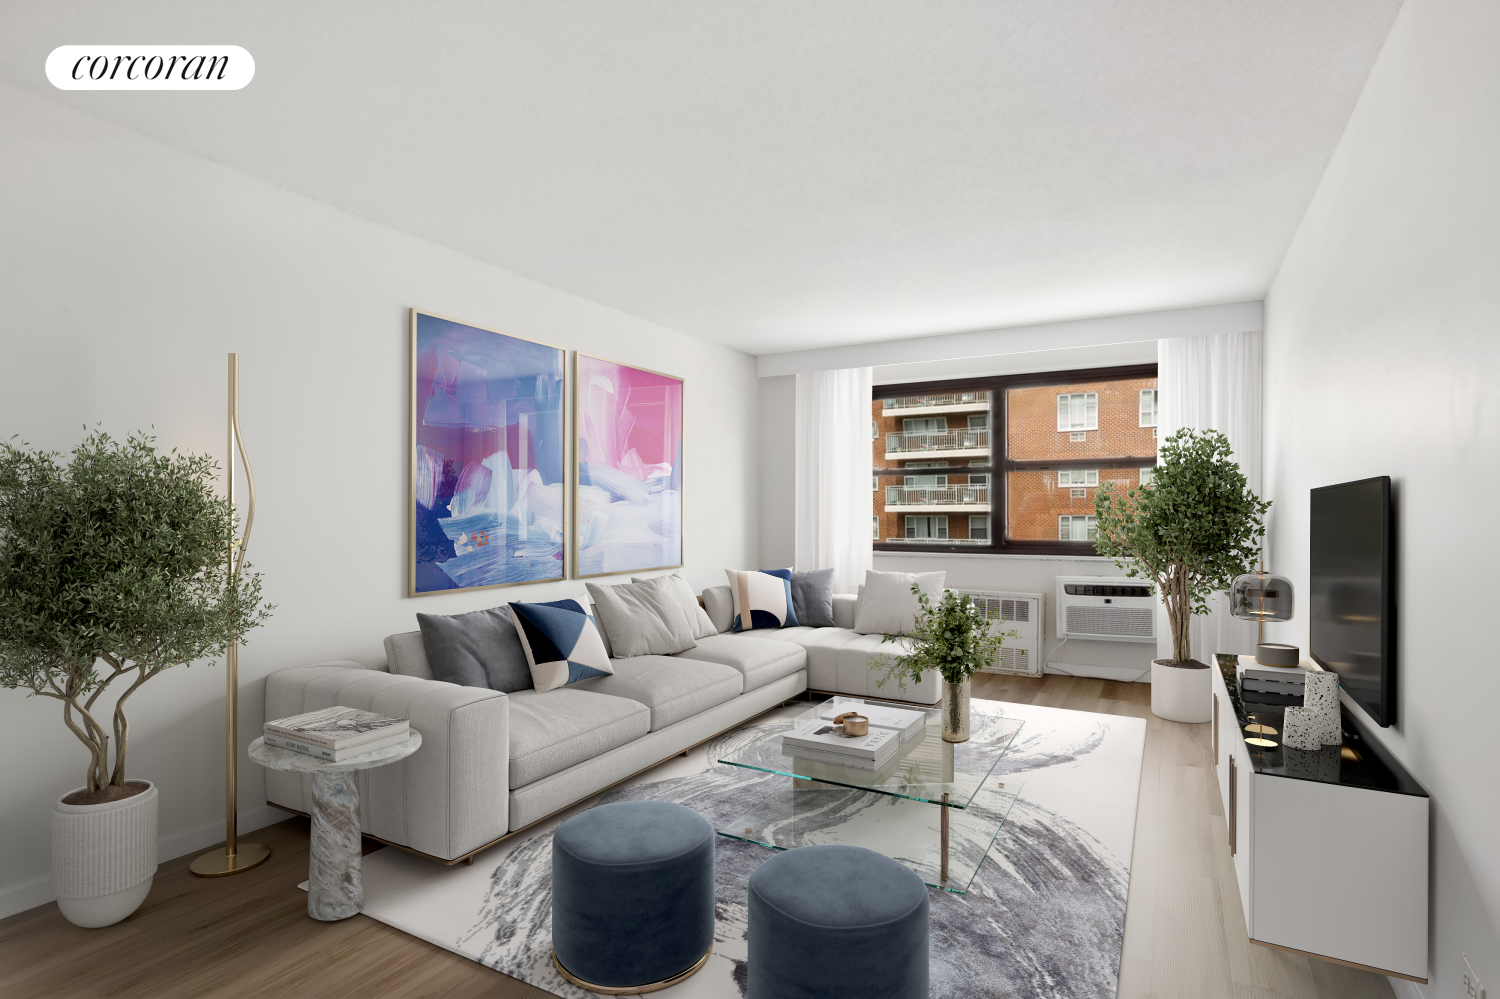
x=934, y=807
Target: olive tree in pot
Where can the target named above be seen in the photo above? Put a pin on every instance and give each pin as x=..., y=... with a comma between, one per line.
x=114, y=566
x=1191, y=531
x=956, y=639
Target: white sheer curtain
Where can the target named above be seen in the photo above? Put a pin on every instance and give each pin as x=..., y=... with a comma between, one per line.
x=1213, y=383
x=834, y=502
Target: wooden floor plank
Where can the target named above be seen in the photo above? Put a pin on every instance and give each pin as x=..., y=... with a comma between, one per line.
x=250, y=935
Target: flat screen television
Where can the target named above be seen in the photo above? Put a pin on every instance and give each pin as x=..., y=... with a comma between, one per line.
x=1353, y=580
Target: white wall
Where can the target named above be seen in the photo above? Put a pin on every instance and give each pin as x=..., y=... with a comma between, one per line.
x=127, y=271
x=1383, y=358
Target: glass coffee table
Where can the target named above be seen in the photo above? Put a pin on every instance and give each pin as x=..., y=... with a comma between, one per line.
x=934, y=807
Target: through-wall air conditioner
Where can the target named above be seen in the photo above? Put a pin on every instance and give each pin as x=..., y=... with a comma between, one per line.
x=1020, y=612
x=1106, y=608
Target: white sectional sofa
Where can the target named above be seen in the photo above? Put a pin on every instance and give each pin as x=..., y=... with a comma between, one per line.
x=492, y=764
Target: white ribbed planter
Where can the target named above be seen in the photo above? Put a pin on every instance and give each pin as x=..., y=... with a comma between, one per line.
x=103, y=857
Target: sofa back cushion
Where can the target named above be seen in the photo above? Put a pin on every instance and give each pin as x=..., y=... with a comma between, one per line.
x=718, y=604
x=477, y=649
x=887, y=606
x=405, y=656
x=697, y=618
x=642, y=619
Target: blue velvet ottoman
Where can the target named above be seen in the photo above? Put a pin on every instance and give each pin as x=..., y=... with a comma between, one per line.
x=632, y=896
x=837, y=921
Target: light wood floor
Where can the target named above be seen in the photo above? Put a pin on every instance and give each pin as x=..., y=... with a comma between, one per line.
x=250, y=935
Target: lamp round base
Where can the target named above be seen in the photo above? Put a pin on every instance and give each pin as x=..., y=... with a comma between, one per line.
x=217, y=863
x=1276, y=654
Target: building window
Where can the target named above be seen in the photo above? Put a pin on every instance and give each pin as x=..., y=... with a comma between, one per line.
x=924, y=527
x=1078, y=411
x=1085, y=477
x=1073, y=527
x=876, y=535
x=1147, y=476
x=989, y=465
x=1148, y=407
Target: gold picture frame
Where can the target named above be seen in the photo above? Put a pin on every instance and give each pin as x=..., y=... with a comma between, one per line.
x=417, y=525
x=583, y=509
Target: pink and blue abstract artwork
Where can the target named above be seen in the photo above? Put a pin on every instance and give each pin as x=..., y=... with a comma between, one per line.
x=629, y=504
x=487, y=467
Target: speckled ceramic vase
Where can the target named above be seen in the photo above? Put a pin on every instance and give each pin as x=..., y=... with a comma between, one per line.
x=104, y=857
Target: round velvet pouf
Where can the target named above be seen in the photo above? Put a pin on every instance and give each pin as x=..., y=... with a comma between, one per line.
x=837, y=921
x=632, y=896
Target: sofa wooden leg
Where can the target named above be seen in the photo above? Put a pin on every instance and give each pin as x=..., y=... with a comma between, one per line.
x=469, y=860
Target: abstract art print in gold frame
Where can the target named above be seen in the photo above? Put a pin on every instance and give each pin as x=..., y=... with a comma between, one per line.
x=627, y=500
x=487, y=458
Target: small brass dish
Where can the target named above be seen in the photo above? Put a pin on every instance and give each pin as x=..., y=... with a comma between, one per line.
x=854, y=723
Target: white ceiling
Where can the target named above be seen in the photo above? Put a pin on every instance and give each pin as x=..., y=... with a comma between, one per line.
x=781, y=174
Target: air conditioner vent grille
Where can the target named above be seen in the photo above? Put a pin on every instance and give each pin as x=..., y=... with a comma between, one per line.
x=1111, y=622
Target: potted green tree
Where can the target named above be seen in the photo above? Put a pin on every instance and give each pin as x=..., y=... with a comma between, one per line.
x=114, y=566
x=955, y=638
x=1191, y=531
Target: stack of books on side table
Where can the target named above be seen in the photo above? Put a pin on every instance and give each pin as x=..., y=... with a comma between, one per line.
x=1279, y=681
x=336, y=734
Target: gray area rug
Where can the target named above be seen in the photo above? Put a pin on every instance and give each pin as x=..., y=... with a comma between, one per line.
x=1044, y=916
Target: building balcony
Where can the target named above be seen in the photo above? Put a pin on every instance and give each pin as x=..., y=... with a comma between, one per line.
x=937, y=499
x=935, y=541
x=944, y=402
x=939, y=444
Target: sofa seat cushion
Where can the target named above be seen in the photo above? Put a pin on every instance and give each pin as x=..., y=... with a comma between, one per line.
x=854, y=673
x=554, y=729
x=671, y=688
x=758, y=660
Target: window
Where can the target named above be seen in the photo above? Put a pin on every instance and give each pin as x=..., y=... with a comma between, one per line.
x=1072, y=527
x=935, y=527
x=997, y=467
x=1078, y=411
x=1077, y=477
x=1147, y=476
x=876, y=535
x=1148, y=407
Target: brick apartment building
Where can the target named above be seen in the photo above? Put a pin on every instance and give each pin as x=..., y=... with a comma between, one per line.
x=1061, y=441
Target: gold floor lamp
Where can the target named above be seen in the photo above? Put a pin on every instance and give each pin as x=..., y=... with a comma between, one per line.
x=235, y=856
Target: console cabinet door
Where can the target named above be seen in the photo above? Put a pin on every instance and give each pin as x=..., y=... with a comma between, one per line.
x=1244, y=828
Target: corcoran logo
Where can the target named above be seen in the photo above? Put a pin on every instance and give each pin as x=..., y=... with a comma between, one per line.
x=150, y=67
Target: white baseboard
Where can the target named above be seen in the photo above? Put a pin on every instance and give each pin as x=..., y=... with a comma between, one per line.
x=29, y=894
x=1122, y=673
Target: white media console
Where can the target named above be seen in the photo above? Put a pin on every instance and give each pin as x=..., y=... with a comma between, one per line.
x=1329, y=847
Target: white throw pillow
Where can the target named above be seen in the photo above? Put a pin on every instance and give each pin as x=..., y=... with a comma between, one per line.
x=887, y=606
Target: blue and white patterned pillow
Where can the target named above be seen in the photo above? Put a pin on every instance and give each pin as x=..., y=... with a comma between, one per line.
x=762, y=598
x=561, y=642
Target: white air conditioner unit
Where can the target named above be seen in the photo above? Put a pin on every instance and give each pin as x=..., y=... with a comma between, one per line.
x=1020, y=612
x=1106, y=608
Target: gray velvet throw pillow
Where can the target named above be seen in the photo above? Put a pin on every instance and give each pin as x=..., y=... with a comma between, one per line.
x=478, y=649
x=812, y=597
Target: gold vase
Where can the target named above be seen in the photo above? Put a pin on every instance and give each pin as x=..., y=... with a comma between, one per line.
x=956, y=711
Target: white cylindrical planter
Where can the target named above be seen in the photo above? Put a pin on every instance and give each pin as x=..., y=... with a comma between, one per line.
x=1181, y=693
x=103, y=857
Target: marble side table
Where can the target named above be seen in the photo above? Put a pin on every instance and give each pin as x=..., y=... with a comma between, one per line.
x=335, y=889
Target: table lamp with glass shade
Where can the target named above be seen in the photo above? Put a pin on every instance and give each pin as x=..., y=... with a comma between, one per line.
x=1263, y=596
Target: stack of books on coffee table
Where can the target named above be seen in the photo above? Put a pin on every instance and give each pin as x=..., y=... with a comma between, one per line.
x=336, y=734
x=910, y=724
x=826, y=743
